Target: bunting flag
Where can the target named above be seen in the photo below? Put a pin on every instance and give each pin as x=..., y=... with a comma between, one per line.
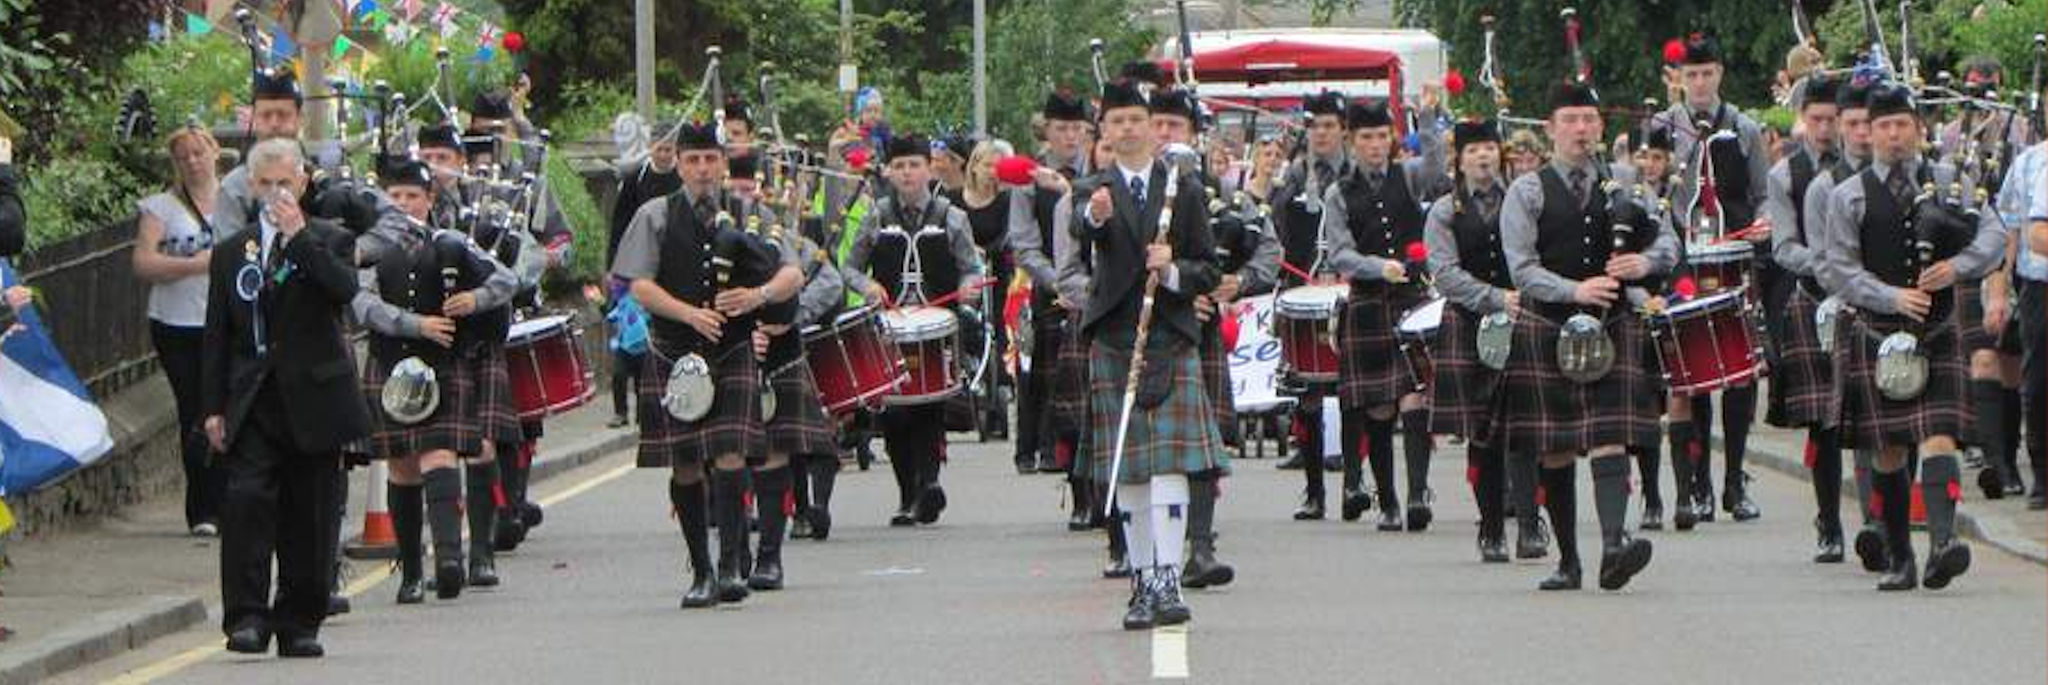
x=197, y=25
x=364, y=8
x=444, y=16
x=341, y=46
x=49, y=425
x=487, y=36
x=410, y=10
x=397, y=33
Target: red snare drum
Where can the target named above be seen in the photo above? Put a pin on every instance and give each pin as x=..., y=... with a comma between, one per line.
x=852, y=363
x=926, y=338
x=1707, y=344
x=1306, y=319
x=1720, y=267
x=1418, y=332
x=549, y=373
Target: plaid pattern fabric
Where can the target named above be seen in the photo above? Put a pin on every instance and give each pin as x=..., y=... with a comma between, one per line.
x=1802, y=382
x=1545, y=412
x=1873, y=421
x=1070, y=378
x=1052, y=345
x=1464, y=397
x=454, y=424
x=1216, y=380
x=1370, y=369
x=494, y=397
x=1177, y=437
x=732, y=427
x=800, y=425
x=1970, y=301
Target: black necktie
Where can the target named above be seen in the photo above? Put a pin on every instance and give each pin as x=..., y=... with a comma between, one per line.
x=1138, y=190
x=1579, y=186
x=1901, y=189
x=1375, y=178
x=703, y=209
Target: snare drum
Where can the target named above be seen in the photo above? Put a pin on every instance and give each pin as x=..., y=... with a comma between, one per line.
x=1720, y=267
x=1707, y=344
x=926, y=337
x=1418, y=331
x=1306, y=319
x=852, y=362
x=549, y=374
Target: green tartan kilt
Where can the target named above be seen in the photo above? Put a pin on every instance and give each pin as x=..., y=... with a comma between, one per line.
x=1176, y=437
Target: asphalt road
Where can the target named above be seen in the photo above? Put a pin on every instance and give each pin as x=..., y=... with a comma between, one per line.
x=999, y=592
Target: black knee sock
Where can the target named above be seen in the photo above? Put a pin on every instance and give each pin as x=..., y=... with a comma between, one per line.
x=1610, y=497
x=1866, y=486
x=1826, y=463
x=2036, y=418
x=510, y=476
x=1987, y=432
x=1310, y=449
x=800, y=482
x=903, y=464
x=1940, y=487
x=481, y=504
x=1738, y=412
x=1523, y=484
x=2009, y=445
x=1648, y=460
x=1201, y=510
x=1703, y=436
x=770, y=488
x=1560, y=496
x=1379, y=453
x=692, y=515
x=1486, y=487
x=407, y=508
x=1415, y=449
x=729, y=505
x=1685, y=455
x=443, y=491
x=824, y=474
x=1895, y=501
x=1354, y=449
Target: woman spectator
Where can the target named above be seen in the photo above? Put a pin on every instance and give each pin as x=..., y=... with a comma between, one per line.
x=173, y=241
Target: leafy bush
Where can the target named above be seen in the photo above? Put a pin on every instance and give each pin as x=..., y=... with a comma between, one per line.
x=590, y=227
x=72, y=196
x=412, y=70
x=190, y=77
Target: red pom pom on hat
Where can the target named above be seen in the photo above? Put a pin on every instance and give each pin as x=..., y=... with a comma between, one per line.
x=857, y=158
x=1454, y=82
x=1417, y=252
x=1016, y=170
x=513, y=41
x=1686, y=287
x=1674, y=51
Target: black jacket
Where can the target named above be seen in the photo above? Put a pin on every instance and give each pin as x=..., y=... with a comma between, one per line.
x=304, y=386
x=1119, y=244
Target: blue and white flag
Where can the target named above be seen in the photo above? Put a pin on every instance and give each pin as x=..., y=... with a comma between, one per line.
x=49, y=425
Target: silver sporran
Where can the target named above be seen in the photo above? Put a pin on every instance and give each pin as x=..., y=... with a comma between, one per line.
x=1496, y=338
x=1826, y=320
x=767, y=400
x=690, y=388
x=1584, y=352
x=411, y=393
x=1901, y=367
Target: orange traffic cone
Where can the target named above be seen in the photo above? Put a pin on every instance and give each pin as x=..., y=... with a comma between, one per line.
x=380, y=538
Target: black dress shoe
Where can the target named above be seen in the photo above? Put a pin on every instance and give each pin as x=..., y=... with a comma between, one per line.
x=1356, y=503
x=1945, y=564
x=1311, y=509
x=338, y=604
x=1118, y=567
x=1703, y=508
x=1622, y=562
x=1565, y=578
x=301, y=646
x=410, y=592
x=700, y=593
x=1992, y=485
x=1138, y=613
x=821, y=524
x=448, y=579
x=509, y=533
x=1048, y=463
x=2038, y=500
x=1167, y=607
x=531, y=514
x=1419, y=516
x=902, y=518
x=1827, y=547
x=249, y=640
x=731, y=587
x=1077, y=520
x=1390, y=520
x=767, y=575
x=1653, y=516
x=931, y=503
x=1684, y=516
x=1291, y=463
x=1739, y=503
x=483, y=572
x=1025, y=465
x=800, y=525
x=1333, y=462
x=1493, y=550
x=1532, y=542
x=1870, y=549
x=1903, y=575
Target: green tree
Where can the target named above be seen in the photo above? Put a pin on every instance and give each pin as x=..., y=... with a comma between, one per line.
x=1945, y=33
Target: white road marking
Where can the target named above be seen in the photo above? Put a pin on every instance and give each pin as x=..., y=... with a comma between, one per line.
x=1170, y=652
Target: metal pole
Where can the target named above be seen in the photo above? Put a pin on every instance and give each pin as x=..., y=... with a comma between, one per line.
x=981, y=68
x=643, y=58
x=846, y=55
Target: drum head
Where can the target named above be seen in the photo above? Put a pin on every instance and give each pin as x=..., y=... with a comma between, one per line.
x=917, y=324
x=1425, y=319
x=1311, y=301
x=1703, y=305
x=1719, y=253
x=535, y=327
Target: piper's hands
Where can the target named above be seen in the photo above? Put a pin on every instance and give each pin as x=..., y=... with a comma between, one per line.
x=1394, y=272
x=1655, y=305
x=1205, y=308
x=1599, y=291
x=874, y=293
x=1512, y=297
x=1099, y=205
x=1048, y=179
x=1997, y=313
x=439, y=330
x=760, y=343
x=707, y=322
x=1228, y=287
x=738, y=301
x=460, y=304
x=1938, y=276
x=217, y=433
x=1913, y=303
x=1158, y=257
x=286, y=216
x=1628, y=267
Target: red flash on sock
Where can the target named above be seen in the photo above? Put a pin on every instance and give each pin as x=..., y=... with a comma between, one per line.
x=498, y=495
x=789, y=503
x=1542, y=496
x=1472, y=476
x=1812, y=454
x=1955, y=491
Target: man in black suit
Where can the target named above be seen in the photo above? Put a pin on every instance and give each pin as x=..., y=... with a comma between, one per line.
x=281, y=399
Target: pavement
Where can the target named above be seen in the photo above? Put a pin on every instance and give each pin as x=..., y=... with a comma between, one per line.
x=1000, y=592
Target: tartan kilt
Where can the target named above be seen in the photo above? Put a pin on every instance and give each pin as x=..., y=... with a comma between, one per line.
x=1802, y=381
x=1070, y=378
x=1051, y=344
x=1216, y=380
x=1370, y=369
x=732, y=427
x=1177, y=437
x=1545, y=412
x=1464, y=398
x=494, y=390
x=1970, y=303
x=454, y=425
x=1872, y=421
x=800, y=425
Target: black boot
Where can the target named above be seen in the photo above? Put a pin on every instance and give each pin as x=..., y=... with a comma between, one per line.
x=1119, y=559
x=1380, y=456
x=511, y=529
x=800, y=494
x=1621, y=556
x=407, y=508
x=1531, y=540
x=1895, y=498
x=1138, y=612
x=1489, y=473
x=479, y=490
x=1167, y=607
x=1870, y=542
x=1560, y=496
x=1203, y=570
x=769, y=488
x=1079, y=518
x=824, y=475
x=1987, y=394
x=1308, y=451
x=1825, y=460
x=1648, y=460
x=691, y=505
x=1738, y=412
x=1703, y=465
x=1685, y=454
x=1940, y=487
x=1416, y=447
x=443, y=490
x=730, y=509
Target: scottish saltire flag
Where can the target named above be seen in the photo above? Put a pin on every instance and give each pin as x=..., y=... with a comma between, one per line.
x=49, y=425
